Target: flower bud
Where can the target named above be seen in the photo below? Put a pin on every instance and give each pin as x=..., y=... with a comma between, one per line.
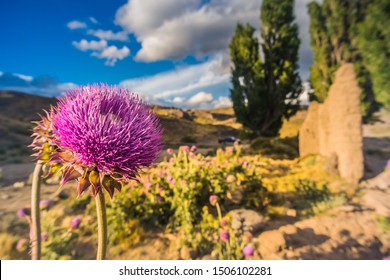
x=75, y=222
x=23, y=212
x=44, y=236
x=224, y=236
x=45, y=204
x=22, y=245
x=213, y=200
x=248, y=250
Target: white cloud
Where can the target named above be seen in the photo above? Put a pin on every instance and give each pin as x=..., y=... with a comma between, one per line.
x=85, y=45
x=101, y=50
x=178, y=100
x=173, y=29
x=75, y=24
x=181, y=81
x=201, y=98
x=154, y=13
x=112, y=54
x=93, y=20
x=222, y=102
x=109, y=35
x=23, y=77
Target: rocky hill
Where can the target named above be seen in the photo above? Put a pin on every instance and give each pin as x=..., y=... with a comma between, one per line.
x=17, y=110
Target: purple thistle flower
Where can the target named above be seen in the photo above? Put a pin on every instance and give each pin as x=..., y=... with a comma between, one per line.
x=75, y=222
x=224, y=235
x=109, y=129
x=23, y=212
x=101, y=134
x=248, y=250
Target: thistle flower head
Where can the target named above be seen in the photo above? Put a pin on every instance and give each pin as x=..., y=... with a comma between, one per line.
x=224, y=236
x=213, y=199
x=75, y=222
x=45, y=204
x=100, y=136
x=248, y=250
x=23, y=212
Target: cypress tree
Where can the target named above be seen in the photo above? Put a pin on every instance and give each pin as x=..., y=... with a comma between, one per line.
x=334, y=31
x=266, y=90
x=374, y=44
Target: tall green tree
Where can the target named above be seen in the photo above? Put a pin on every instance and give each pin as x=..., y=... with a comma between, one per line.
x=333, y=32
x=266, y=90
x=374, y=44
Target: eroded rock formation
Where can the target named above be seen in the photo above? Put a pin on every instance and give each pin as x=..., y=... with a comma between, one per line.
x=334, y=128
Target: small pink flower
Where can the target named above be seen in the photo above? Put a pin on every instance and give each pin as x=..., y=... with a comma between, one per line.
x=45, y=204
x=248, y=250
x=191, y=155
x=224, y=235
x=245, y=164
x=172, y=160
x=159, y=199
x=148, y=185
x=75, y=222
x=23, y=212
x=184, y=149
x=22, y=245
x=213, y=200
x=194, y=148
x=44, y=236
x=169, y=178
x=169, y=151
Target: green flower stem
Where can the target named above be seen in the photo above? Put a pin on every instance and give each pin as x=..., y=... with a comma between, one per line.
x=35, y=213
x=219, y=211
x=102, y=225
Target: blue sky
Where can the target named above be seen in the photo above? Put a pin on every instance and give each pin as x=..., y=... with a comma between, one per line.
x=172, y=52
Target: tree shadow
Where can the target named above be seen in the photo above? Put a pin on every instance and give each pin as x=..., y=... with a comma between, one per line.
x=376, y=154
x=304, y=237
x=349, y=249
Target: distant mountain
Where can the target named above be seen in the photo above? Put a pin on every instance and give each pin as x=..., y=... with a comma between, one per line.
x=17, y=110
